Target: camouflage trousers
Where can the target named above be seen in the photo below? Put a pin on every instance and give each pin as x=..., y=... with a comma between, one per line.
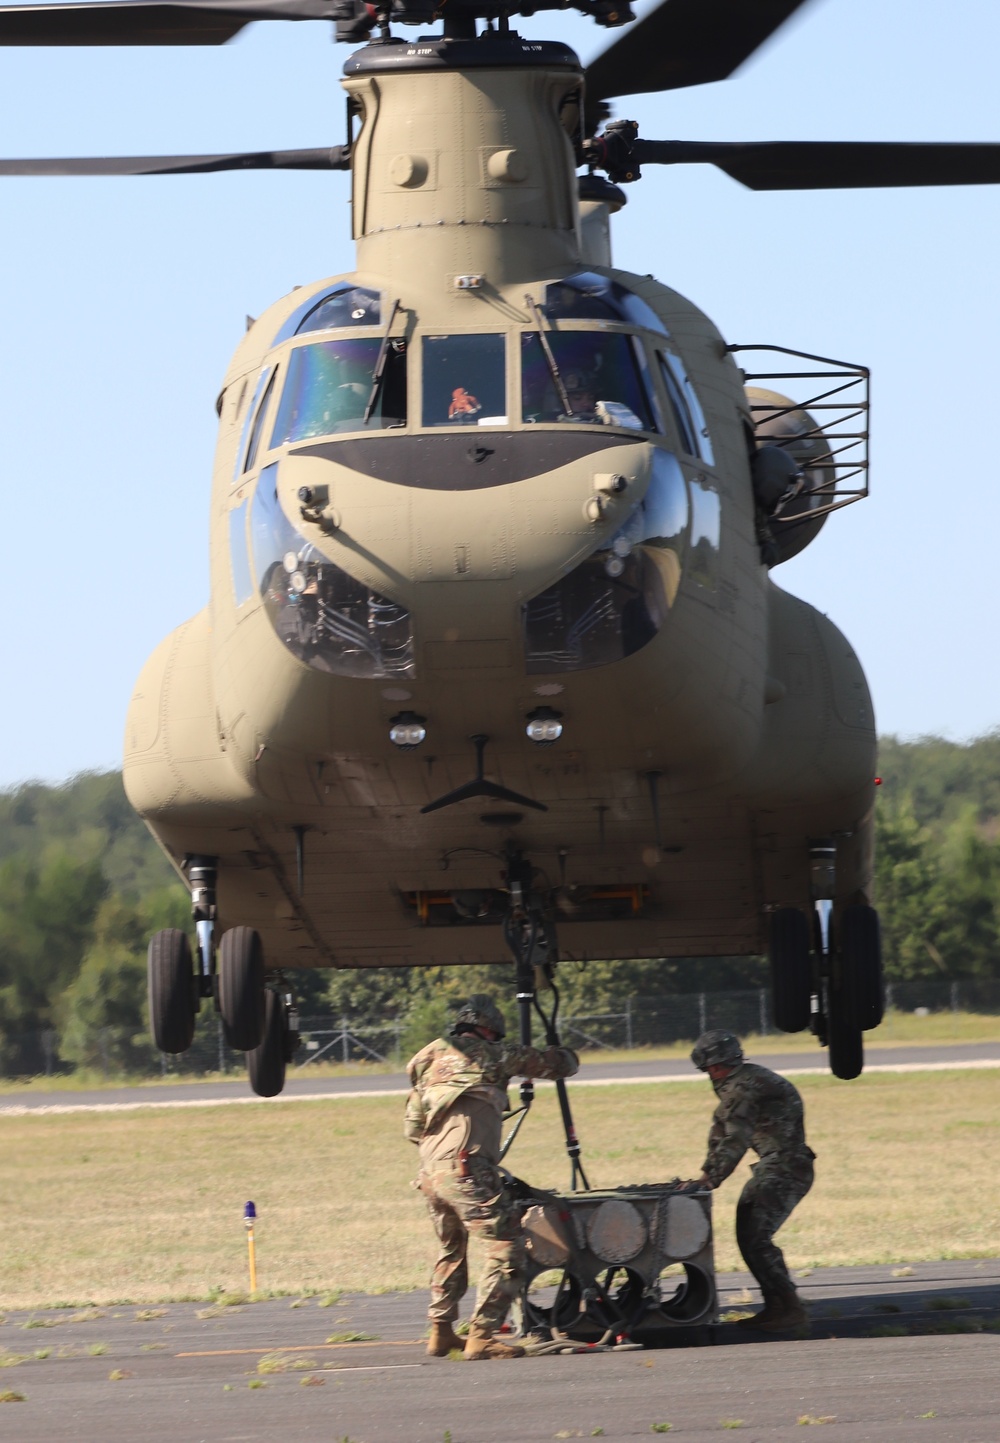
x=463, y=1198
x=765, y=1203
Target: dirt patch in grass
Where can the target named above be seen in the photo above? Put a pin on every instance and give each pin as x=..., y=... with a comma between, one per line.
x=158, y=1206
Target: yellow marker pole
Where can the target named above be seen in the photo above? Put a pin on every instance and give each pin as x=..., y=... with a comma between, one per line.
x=249, y=1216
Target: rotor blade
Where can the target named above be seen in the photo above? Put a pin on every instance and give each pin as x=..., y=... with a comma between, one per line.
x=147, y=22
x=337, y=157
x=685, y=42
x=831, y=165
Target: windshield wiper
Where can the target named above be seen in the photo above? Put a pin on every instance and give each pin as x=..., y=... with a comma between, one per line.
x=549, y=357
x=380, y=364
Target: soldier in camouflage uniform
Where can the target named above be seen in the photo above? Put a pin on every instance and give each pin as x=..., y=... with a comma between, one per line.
x=454, y=1113
x=758, y=1109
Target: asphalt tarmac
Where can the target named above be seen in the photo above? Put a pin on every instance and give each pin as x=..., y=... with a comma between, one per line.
x=893, y=1355
x=303, y=1084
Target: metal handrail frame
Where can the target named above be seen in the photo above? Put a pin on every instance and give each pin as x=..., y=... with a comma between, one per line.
x=855, y=460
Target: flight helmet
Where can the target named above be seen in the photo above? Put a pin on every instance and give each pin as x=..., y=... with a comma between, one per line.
x=717, y=1048
x=480, y=1011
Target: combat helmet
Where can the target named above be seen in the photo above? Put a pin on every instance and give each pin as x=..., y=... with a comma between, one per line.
x=480, y=1011
x=717, y=1049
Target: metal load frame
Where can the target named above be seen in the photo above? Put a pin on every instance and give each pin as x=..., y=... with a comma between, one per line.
x=609, y=1248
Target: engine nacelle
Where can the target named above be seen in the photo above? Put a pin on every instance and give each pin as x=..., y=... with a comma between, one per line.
x=782, y=427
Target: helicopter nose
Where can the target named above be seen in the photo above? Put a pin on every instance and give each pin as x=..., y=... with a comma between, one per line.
x=499, y=507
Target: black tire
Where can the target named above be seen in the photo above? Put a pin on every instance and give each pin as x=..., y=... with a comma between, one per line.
x=266, y=1062
x=173, y=1000
x=791, y=969
x=847, y=1048
x=241, y=987
x=861, y=949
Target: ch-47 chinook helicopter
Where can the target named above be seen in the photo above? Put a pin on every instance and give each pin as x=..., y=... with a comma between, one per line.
x=493, y=649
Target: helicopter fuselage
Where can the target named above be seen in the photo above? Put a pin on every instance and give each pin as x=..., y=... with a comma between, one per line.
x=488, y=480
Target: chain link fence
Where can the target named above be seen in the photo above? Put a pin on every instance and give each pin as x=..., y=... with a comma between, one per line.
x=637, y=1021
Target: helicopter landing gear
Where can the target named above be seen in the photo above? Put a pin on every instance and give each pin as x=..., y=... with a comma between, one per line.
x=833, y=1012
x=266, y=1063
x=173, y=995
x=531, y=938
x=850, y=994
x=175, y=986
x=241, y=994
x=791, y=969
x=861, y=949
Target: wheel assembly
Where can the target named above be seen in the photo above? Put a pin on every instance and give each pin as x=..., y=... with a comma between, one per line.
x=173, y=997
x=846, y=1044
x=791, y=969
x=847, y=1048
x=241, y=987
x=861, y=953
x=266, y=1062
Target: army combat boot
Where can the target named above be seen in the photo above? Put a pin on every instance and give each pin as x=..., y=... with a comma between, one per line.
x=783, y=1314
x=443, y=1340
x=484, y=1345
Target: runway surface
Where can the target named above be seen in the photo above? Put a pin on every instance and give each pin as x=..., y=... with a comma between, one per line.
x=890, y=1358
x=306, y=1087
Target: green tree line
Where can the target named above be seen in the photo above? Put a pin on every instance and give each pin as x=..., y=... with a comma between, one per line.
x=83, y=885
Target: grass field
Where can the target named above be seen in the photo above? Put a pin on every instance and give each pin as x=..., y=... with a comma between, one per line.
x=147, y=1206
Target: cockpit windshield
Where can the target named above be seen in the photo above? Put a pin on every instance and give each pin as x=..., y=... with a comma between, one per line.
x=346, y=306
x=328, y=386
x=464, y=380
x=600, y=371
x=588, y=296
x=343, y=305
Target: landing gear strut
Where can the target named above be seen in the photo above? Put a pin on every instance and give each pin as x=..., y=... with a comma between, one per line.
x=836, y=1021
x=202, y=874
x=530, y=936
x=176, y=987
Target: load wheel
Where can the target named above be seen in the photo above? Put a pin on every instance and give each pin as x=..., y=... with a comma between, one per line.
x=266, y=1062
x=861, y=950
x=791, y=969
x=241, y=987
x=173, y=998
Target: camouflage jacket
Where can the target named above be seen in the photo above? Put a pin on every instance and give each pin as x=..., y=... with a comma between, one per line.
x=448, y=1067
x=760, y=1110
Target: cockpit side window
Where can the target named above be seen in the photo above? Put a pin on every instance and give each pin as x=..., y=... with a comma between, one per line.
x=684, y=403
x=252, y=410
x=329, y=384
x=600, y=372
x=465, y=380
x=258, y=423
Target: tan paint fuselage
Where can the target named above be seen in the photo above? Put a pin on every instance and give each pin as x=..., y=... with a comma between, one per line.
x=750, y=707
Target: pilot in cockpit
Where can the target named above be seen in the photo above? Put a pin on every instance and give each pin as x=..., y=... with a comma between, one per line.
x=464, y=407
x=582, y=396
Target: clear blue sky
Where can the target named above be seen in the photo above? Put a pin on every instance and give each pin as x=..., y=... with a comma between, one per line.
x=121, y=301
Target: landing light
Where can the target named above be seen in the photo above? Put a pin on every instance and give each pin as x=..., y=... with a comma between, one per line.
x=407, y=730
x=544, y=725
